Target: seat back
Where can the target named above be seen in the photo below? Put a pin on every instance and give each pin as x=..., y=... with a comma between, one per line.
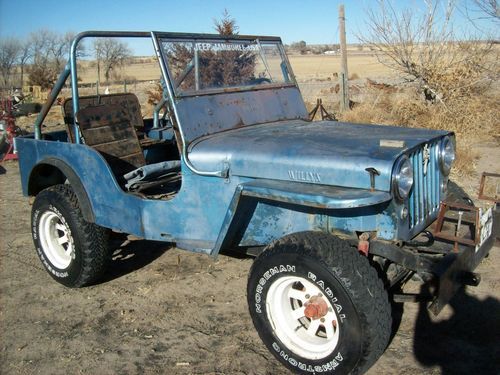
x=128, y=101
x=109, y=129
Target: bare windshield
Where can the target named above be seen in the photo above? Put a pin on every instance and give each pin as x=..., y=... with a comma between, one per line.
x=196, y=66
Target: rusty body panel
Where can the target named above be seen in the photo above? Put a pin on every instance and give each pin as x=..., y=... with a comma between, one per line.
x=323, y=152
x=210, y=114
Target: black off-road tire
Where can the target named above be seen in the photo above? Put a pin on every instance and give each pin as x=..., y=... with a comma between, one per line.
x=58, y=207
x=347, y=281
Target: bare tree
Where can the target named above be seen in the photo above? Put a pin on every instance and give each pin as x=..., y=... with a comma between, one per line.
x=479, y=11
x=59, y=50
x=49, y=54
x=300, y=46
x=25, y=55
x=423, y=48
x=42, y=71
x=111, y=53
x=9, y=53
x=490, y=7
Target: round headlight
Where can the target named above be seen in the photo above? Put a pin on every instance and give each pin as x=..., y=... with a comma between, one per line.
x=402, y=177
x=446, y=155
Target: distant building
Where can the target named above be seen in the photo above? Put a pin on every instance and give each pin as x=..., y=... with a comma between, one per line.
x=331, y=52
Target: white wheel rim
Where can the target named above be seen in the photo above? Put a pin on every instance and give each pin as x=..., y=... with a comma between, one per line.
x=55, y=240
x=286, y=303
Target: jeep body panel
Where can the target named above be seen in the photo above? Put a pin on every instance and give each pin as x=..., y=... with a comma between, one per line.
x=317, y=178
x=323, y=152
x=208, y=114
x=196, y=222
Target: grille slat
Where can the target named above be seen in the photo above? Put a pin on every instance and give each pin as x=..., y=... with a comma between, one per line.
x=412, y=199
x=420, y=183
x=425, y=195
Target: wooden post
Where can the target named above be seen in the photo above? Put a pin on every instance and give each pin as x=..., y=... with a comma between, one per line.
x=343, y=76
x=98, y=83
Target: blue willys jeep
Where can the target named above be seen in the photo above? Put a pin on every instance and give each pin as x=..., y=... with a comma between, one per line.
x=336, y=214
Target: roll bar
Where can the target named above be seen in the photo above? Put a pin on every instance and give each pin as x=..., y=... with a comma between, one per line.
x=71, y=70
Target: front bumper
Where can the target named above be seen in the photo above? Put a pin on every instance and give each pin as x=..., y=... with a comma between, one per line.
x=455, y=269
x=446, y=270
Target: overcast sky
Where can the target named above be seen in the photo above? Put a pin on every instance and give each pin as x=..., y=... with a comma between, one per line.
x=314, y=21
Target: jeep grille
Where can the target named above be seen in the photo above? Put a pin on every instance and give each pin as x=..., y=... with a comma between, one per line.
x=425, y=195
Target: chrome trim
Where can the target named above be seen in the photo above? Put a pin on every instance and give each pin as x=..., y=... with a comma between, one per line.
x=446, y=171
x=397, y=177
x=424, y=198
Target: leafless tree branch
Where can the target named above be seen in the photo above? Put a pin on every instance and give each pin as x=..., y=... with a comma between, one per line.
x=9, y=53
x=423, y=48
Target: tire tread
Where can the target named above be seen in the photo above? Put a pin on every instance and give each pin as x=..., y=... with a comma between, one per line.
x=93, y=238
x=366, y=290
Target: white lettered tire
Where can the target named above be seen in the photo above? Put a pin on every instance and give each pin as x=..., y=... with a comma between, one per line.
x=73, y=251
x=318, y=305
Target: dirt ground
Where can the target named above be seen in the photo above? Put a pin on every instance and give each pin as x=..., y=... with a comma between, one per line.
x=162, y=310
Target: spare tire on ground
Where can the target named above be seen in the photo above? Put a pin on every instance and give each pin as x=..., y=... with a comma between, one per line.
x=24, y=109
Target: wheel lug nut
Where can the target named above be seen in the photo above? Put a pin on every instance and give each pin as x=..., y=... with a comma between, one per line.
x=322, y=320
x=330, y=309
x=308, y=296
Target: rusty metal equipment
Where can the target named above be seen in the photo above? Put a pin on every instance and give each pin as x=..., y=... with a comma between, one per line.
x=482, y=186
x=9, y=131
x=324, y=114
x=462, y=215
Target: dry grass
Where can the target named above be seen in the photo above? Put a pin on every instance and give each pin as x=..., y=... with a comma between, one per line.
x=143, y=72
x=472, y=118
x=310, y=67
x=306, y=67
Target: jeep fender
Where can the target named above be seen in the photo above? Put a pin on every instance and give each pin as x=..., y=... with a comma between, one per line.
x=294, y=193
x=83, y=199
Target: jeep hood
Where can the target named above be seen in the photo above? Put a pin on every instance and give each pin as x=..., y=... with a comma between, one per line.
x=323, y=152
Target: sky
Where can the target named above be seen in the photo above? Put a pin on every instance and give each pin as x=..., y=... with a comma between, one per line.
x=314, y=21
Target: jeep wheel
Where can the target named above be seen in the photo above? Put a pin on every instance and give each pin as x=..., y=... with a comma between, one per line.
x=318, y=305
x=73, y=251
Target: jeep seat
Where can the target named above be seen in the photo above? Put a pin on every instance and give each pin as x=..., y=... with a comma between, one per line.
x=128, y=101
x=108, y=129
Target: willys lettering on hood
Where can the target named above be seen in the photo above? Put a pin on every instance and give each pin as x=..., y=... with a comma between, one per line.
x=323, y=152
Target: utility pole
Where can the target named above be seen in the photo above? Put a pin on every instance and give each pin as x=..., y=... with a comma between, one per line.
x=98, y=83
x=343, y=76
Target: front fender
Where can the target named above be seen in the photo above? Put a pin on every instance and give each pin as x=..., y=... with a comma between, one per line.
x=311, y=200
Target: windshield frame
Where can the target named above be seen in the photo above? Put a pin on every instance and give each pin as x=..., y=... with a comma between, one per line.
x=161, y=37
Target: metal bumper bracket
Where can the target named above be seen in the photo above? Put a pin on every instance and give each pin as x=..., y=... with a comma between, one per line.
x=458, y=223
